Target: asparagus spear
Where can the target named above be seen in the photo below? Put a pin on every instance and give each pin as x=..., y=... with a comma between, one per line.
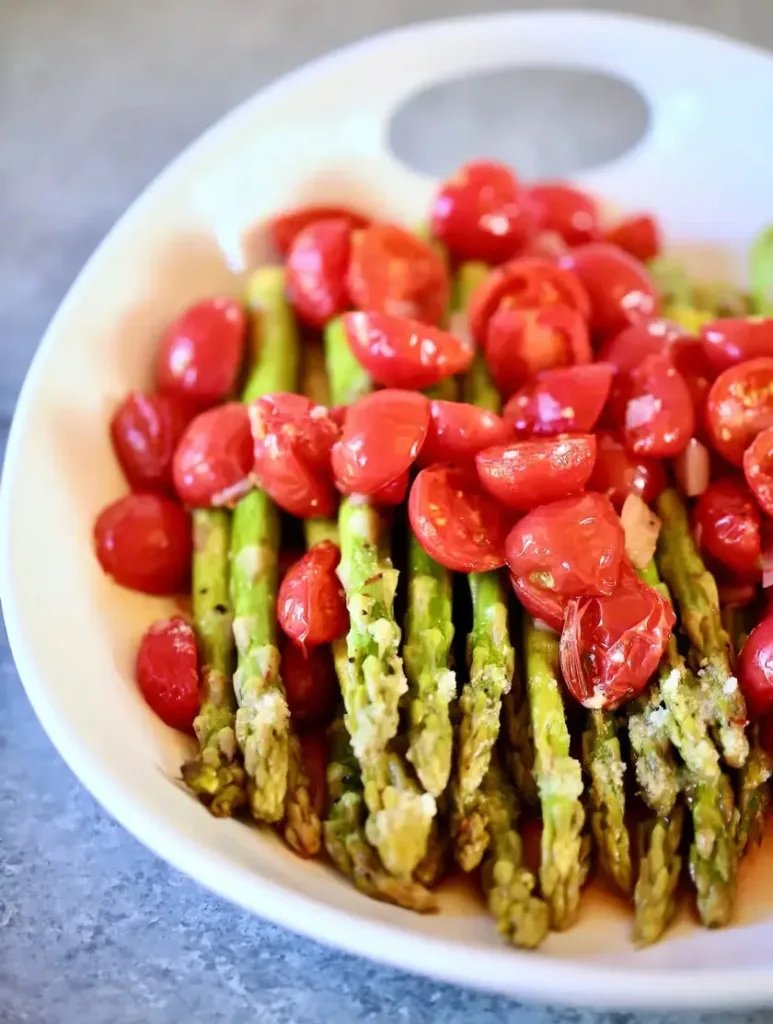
x=347, y=379
x=761, y=273
x=660, y=866
x=605, y=766
x=558, y=776
x=657, y=774
x=302, y=827
x=696, y=595
x=216, y=774
x=518, y=750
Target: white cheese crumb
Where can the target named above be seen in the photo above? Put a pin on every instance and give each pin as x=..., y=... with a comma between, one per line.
x=671, y=683
x=730, y=686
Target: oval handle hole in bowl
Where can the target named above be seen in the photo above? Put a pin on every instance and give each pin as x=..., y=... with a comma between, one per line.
x=546, y=122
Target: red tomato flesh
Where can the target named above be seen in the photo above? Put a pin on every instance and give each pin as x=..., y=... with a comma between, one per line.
x=167, y=672
x=311, y=606
x=525, y=474
x=285, y=228
x=639, y=236
x=145, y=430
x=732, y=341
x=308, y=427
x=569, y=212
x=758, y=469
x=214, y=459
x=310, y=682
x=659, y=414
x=621, y=291
x=201, y=352
x=739, y=407
x=755, y=669
x=617, y=473
x=728, y=524
x=281, y=470
x=317, y=264
x=392, y=493
x=458, y=431
x=563, y=401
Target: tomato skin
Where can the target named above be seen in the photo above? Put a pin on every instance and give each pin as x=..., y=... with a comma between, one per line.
x=382, y=436
x=689, y=358
x=310, y=682
x=758, y=469
x=311, y=606
x=640, y=236
x=569, y=212
x=201, y=352
x=285, y=228
x=458, y=431
x=167, y=672
x=755, y=669
x=214, y=459
x=659, y=414
x=482, y=213
x=617, y=473
x=399, y=352
x=282, y=472
x=315, y=759
x=393, y=271
x=728, y=524
x=525, y=474
x=735, y=340
x=541, y=603
x=144, y=541
x=455, y=521
x=316, y=271
x=621, y=291
x=568, y=400
x=611, y=645
x=393, y=493
x=526, y=283
x=627, y=349
x=145, y=430
x=522, y=342
x=739, y=406
x=308, y=427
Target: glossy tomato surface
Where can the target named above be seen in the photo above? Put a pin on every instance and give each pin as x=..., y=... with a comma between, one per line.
x=621, y=291
x=309, y=681
x=627, y=349
x=393, y=493
x=287, y=226
x=201, y=352
x=167, y=672
x=214, y=459
x=572, y=214
x=567, y=400
x=618, y=473
x=728, y=524
x=317, y=264
x=758, y=469
x=755, y=669
x=458, y=431
x=739, y=406
x=308, y=427
x=145, y=430
x=735, y=340
x=311, y=606
x=659, y=414
x=640, y=236
x=524, y=474
x=282, y=471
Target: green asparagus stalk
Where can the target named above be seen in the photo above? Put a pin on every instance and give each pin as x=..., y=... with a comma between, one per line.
x=761, y=273
x=434, y=865
x=518, y=748
x=216, y=774
x=302, y=827
x=346, y=378
x=605, y=766
x=657, y=773
x=660, y=865
x=558, y=776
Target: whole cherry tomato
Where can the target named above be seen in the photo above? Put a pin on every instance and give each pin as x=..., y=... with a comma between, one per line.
x=659, y=415
x=311, y=606
x=736, y=340
x=755, y=669
x=569, y=212
x=201, y=352
x=214, y=459
x=570, y=548
x=292, y=483
x=758, y=469
x=167, y=672
x=310, y=683
x=145, y=430
x=392, y=493
x=728, y=524
x=144, y=542
x=620, y=289
x=482, y=213
x=288, y=556
x=315, y=760
x=524, y=474
x=306, y=426
x=393, y=271
x=285, y=228
x=567, y=400
x=455, y=521
x=401, y=353
x=317, y=264
x=740, y=406
x=458, y=431
x=639, y=235
x=382, y=436
x=611, y=645
x=526, y=283
x=617, y=473
x=522, y=342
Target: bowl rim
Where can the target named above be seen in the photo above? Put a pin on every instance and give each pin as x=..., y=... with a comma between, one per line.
x=509, y=972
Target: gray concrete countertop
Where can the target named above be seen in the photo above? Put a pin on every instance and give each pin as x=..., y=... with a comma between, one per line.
x=95, y=97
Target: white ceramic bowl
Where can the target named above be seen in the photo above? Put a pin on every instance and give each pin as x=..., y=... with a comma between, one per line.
x=320, y=135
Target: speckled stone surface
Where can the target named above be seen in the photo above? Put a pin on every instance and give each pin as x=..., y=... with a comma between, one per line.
x=95, y=97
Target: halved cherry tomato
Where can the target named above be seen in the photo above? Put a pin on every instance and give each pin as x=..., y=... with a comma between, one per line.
x=638, y=235
x=285, y=228
x=525, y=474
x=392, y=493
x=455, y=521
x=315, y=760
x=617, y=473
x=306, y=426
x=659, y=415
x=287, y=559
x=458, y=431
x=311, y=606
x=309, y=680
x=740, y=406
x=167, y=672
x=382, y=436
x=728, y=524
x=736, y=340
x=563, y=401
x=611, y=645
x=526, y=283
x=482, y=213
x=631, y=346
x=570, y=548
x=522, y=342
x=145, y=430
x=214, y=459
x=281, y=470
x=571, y=213
x=690, y=360
x=755, y=669
x=401, y=353
x=393, y=271
x=144, y=542
x=317, y=264
x=758, y=469
x=621, y=291
x=200, y=353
